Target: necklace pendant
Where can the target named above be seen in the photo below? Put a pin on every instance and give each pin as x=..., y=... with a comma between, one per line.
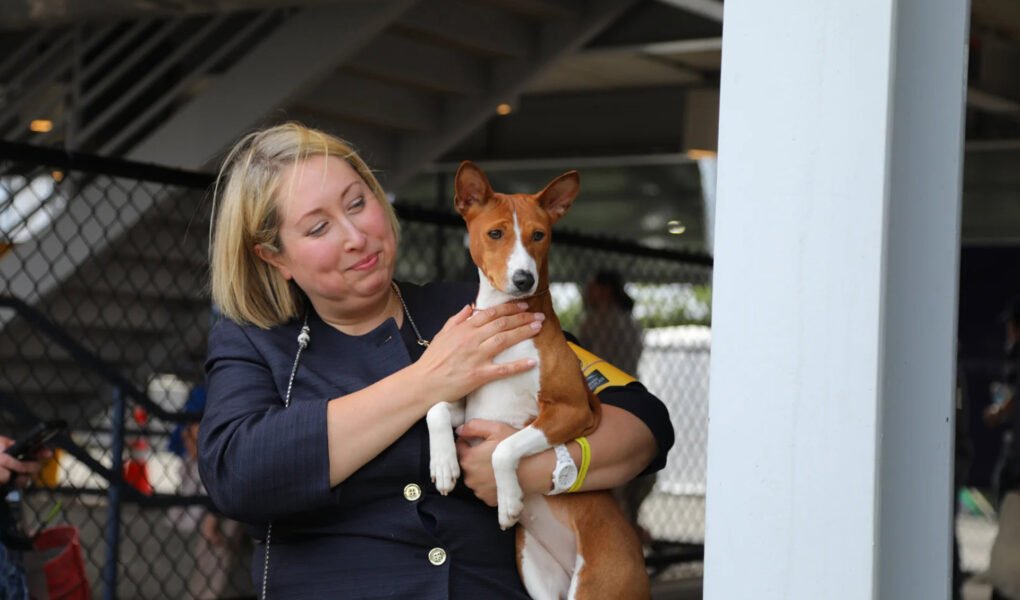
x=423, y=343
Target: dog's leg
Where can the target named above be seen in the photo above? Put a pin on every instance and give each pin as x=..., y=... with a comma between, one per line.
x=505, y=458
x=542, y=575
x=443, y=465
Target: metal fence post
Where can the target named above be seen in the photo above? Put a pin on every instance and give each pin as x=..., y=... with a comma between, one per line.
x=113, y=497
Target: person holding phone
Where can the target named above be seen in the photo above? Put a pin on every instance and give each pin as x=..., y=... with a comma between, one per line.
x=13, y=584
x=19, y=471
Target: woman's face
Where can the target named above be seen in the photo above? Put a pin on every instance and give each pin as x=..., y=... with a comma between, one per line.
x=336, y=240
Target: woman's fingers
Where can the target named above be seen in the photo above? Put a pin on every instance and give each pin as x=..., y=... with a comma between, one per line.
x=463, y=315
x=480, y=318
x=517, y=331
x=496, y=328
x=511, y=322
x=461, y=354
x=499, y=371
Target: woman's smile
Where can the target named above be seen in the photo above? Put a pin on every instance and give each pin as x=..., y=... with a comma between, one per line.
x=365, y=264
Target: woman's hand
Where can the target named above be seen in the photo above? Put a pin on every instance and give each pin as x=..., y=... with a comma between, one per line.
x=362, y=424
x=209, y=529
x=19, y=470
x=476, y=441
x=459, y=358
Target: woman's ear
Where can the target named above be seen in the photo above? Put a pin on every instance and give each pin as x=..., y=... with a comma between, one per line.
x=272, y=258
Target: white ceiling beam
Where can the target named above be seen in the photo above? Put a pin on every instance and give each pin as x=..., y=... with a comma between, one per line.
x=710, y=9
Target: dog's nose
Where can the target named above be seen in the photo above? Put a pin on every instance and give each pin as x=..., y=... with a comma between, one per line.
x=523, y=280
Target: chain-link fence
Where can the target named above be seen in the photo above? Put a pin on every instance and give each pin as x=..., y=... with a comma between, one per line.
x=103, y=322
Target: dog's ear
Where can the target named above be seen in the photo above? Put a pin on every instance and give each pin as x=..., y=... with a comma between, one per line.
x=471, y=188
x=558, y=196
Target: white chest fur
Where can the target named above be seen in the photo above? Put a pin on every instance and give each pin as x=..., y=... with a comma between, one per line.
x=513, y=400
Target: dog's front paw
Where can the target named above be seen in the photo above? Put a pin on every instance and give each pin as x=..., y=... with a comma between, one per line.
x=511, y=503
x=445, y=472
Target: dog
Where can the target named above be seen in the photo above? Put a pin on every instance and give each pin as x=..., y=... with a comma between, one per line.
x=579, y=545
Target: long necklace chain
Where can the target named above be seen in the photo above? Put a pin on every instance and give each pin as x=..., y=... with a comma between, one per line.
x=303, y=339
x=421, y=341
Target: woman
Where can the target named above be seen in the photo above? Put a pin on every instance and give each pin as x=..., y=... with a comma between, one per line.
x=322, y=372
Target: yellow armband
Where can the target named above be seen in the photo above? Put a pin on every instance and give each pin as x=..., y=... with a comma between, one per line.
x=582, y=471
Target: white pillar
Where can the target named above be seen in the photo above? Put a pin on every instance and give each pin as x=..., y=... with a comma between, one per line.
x=834, y=301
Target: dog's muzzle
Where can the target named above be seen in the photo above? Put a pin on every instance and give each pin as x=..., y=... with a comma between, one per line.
x=523, y=281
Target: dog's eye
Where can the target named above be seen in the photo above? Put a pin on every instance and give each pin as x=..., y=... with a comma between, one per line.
x=496, y=234
x=538, y=236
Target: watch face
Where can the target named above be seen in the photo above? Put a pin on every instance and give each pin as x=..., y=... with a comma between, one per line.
x=567, y=476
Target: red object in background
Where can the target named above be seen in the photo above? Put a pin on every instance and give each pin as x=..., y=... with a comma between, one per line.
x=65, y=571
x=136, y=470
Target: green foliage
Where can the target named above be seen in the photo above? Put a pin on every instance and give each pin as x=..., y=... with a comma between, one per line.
x=656, y=306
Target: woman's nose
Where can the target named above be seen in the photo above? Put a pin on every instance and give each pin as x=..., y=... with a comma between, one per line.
x=354, y=238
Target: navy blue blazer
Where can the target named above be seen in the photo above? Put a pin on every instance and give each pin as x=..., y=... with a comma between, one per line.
x=364, y=538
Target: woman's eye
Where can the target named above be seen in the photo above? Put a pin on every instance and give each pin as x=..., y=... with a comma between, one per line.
x=496, y=234
x=357, y=203
x=538, y=236
x=317, y=230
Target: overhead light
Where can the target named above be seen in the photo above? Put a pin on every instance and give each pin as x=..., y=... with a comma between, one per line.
x=698, y=154
x=504, y=109
x=675, y=227
x=41, y=125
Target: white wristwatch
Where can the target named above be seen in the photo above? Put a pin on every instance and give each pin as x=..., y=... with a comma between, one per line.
x=565, y=473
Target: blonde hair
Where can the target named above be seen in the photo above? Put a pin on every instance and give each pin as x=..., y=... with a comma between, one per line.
x=245, y=288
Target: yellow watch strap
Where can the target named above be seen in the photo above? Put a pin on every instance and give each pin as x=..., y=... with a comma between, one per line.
x=582, y=471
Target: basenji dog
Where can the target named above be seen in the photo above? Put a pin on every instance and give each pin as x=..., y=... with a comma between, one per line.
x=574, y=545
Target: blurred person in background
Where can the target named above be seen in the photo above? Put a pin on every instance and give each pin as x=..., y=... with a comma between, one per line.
x=1004, y=567
x=608, y=328
x=220, y=548
x=1002, y=412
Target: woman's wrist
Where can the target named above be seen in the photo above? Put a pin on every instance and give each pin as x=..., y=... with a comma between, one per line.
x=535, y=472
x=417, y=380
